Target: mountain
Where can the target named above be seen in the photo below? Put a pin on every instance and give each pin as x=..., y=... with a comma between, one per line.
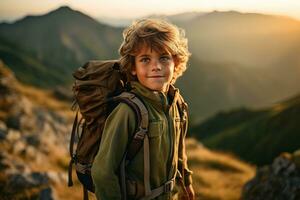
x=61, y=41
x=123, y=22
x=257, y=136
x=238, y=59
x=250, y=39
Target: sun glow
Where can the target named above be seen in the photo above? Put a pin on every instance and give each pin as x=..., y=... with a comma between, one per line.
x=13, y=9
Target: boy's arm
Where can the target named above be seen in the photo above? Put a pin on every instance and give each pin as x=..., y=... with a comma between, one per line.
x=118, y=126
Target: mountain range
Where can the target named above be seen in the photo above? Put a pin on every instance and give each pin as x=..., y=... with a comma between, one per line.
x=238, y=59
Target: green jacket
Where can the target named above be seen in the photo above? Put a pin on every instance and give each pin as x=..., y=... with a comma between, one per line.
x=167, y=149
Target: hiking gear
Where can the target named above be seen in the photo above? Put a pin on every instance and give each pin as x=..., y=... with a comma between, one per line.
x=164, y=133
x=95, y=86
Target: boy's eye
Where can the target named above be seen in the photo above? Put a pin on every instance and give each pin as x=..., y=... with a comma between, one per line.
x=144, y=60
x=165, y=58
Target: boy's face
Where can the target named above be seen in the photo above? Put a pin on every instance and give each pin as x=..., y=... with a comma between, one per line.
x=154, y=70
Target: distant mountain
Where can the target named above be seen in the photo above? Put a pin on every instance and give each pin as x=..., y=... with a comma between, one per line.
x=250, y=39
x=116, y=22
x=240, y=59
x=237, y=58
x=254, y=135
x=123, y=22
x=62, y=40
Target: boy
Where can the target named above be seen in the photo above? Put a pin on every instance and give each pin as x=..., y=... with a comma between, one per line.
x=154, y=54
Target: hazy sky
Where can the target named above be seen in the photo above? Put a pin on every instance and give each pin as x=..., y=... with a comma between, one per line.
x=14, y=9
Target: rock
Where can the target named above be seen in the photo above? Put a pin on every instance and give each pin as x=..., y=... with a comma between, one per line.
x=33, y=185
x=47, y=194
x=31, y=153
x=279, y=181
x=3, y=130
x=22, y=181
x=4, y=162
x=296, y=158
x=19, y=147
x=13, y=122
x=3, y=126
x=57, y=177
x=33, y=140
x=13, y=135
x=283, y=164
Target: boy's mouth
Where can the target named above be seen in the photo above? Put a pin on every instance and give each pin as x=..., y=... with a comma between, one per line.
x=156, y=76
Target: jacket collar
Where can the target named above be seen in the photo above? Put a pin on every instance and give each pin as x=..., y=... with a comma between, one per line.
x=156, y=98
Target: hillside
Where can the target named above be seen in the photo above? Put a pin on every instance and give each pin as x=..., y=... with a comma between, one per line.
x=257, y=136
x=60, y=41
x=217, y=175
x=240, y=59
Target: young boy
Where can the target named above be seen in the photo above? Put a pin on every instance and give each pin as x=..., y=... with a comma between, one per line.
x=154, y=54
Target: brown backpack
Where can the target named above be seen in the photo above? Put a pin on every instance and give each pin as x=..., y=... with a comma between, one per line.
x=98, y=88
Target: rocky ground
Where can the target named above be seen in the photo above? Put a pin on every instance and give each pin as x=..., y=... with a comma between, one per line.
x=278, y=181
x=33, y=140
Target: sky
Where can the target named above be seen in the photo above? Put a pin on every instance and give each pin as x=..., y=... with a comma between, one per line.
x=14, y=9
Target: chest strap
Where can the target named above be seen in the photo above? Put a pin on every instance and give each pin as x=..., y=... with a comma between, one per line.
x=164, y=189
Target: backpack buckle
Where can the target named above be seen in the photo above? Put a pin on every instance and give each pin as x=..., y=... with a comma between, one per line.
x=140, y=135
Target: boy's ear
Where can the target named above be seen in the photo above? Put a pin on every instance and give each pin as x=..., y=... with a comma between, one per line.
x=176, y=60
x=133, y=72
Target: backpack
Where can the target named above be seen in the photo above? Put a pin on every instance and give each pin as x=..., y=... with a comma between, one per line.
x=98, y=88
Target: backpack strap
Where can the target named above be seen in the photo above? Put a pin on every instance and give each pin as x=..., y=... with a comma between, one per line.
x=71, y=151
x=139, y=139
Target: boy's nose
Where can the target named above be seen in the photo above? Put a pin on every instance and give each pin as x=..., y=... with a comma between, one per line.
x=156, y=66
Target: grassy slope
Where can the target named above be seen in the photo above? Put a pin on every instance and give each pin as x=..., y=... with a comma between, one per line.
x=27, y=68
x=217, y=175
x=257, y=136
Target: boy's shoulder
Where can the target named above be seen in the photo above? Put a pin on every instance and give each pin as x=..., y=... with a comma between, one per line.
x=122, y=110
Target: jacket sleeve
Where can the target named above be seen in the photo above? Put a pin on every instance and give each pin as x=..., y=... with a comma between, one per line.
x=182, y=156
x=119, y=124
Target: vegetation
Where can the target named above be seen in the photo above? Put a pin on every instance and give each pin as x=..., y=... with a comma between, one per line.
x=257, y=136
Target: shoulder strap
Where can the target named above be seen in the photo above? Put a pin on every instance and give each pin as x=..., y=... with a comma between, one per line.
x=141, y=113
x=139, y=139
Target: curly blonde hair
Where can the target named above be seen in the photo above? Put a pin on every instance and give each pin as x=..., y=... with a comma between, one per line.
x=159, y=35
